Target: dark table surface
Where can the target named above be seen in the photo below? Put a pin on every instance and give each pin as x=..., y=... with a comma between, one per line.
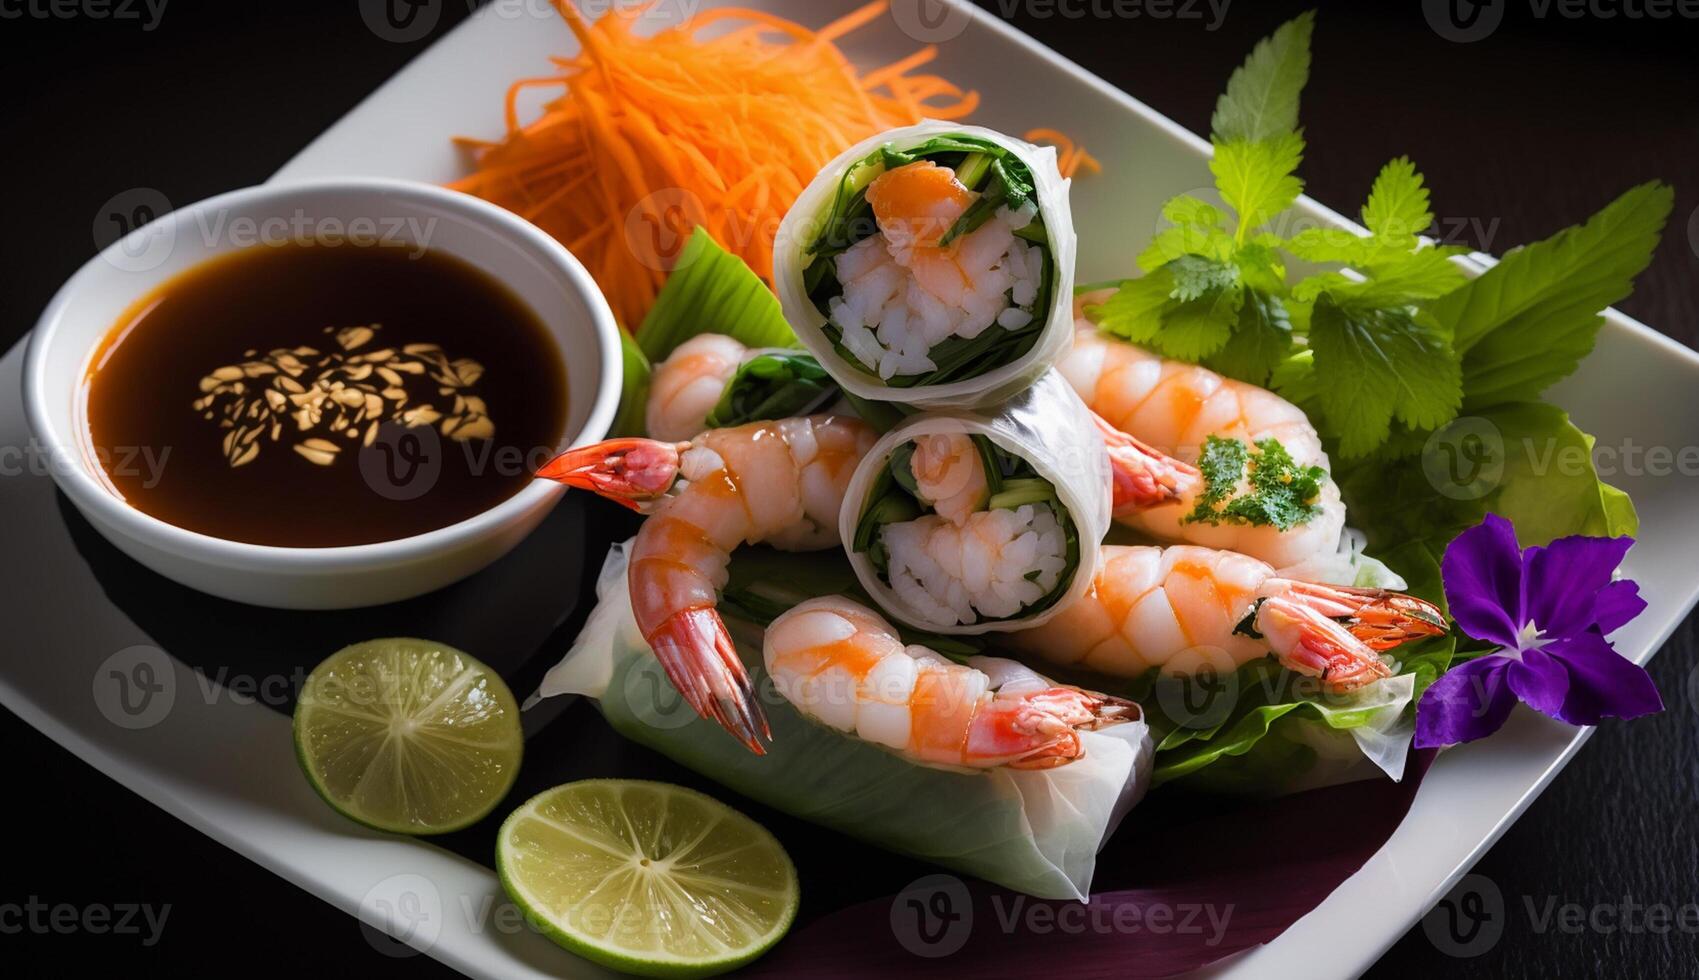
x=1529, y=127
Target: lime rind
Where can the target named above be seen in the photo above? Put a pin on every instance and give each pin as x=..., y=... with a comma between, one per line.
x=756, y=904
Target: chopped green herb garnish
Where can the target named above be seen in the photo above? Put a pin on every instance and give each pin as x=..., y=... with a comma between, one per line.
x=1279, y=492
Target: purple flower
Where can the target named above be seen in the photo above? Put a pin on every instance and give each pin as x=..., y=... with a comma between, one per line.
x=1548, y=610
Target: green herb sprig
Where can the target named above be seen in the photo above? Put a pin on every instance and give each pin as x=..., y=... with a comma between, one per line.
x=1280, y=493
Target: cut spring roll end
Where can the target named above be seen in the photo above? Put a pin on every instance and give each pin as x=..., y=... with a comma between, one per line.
x=932, y=265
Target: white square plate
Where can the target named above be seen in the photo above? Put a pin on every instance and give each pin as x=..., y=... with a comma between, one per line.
x=215, y=760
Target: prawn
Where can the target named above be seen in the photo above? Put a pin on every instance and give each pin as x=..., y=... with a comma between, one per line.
x=1186, y=610
x=780, y=482
x=948, y=470
x=1174, y=407
x=686, y=386
x=843, y=665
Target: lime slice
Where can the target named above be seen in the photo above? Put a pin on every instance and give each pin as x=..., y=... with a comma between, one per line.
x=408, y=736
x=648, y=878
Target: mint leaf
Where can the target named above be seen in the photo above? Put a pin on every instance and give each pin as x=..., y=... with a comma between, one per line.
x=1261, y=100
x=1134, y=311
x=1256, y=179
x=1397, y=209
x=1195, y=276
x=1261, y=340
x=1528, y=321
x=1184, y=309
x=1375, y=364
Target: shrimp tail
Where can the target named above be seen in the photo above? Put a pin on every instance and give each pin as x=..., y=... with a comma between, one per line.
x=1040, y=730
x=698, y=655
x=1380, y=618
x=1307, y=641
x=1142, y=476
x=630, y=472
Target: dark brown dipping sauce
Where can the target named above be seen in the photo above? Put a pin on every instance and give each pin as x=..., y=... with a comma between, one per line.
x=198, y=397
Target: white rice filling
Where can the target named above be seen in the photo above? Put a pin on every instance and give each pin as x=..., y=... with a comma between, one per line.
x=900, y=303
x=954, y=575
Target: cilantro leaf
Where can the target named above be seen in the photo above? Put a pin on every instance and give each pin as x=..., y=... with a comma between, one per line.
x=1257, y=179
x=1261, y=100
x=1374, y=364
x=1529, y=320
x=1279, y=492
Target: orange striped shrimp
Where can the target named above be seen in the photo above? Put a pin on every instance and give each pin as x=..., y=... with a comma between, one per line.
x=686, y=386
x=1188, y=610
x=1174, y=407
x=844, y=666
x=780, y=482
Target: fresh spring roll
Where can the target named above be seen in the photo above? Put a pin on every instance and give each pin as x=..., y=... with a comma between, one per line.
x=969, y=522
x=932, y=265
x=1035, y=831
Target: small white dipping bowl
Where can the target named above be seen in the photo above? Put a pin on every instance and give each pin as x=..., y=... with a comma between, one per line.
x=511, y=250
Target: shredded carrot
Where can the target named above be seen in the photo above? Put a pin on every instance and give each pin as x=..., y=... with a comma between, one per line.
x=1071, y=158
x=720, y=122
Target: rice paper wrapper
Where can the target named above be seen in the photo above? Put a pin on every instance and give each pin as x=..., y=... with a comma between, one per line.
x=801, y=226
x=1048, y=426
x=1033, y=831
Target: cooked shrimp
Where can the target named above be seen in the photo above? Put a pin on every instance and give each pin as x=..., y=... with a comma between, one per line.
x=948, y=468
x=780, y=482
x=686, y=386
x=1174, y=407
x=949, y=472
x=1186, y=610
x=844, y=666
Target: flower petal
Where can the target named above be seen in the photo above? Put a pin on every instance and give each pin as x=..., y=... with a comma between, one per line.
x=1467, y=702
x=1602, y=682
x=1482, y=570
x=1563, y=579
x=1616, y=604
x=1540, y=681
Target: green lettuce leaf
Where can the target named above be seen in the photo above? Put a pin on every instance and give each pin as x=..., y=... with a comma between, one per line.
x=634, y=391
x=711, y=290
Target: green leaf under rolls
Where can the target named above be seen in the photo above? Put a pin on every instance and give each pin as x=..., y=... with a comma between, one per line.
x=711, y=290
